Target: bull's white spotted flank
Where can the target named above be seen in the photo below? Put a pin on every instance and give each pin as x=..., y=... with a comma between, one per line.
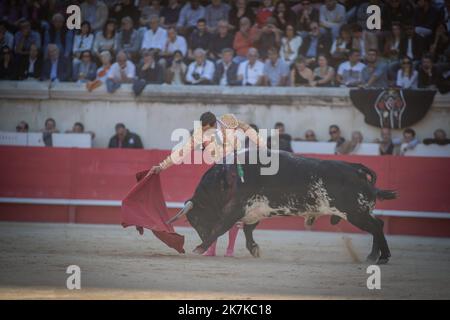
x=258, y=206
x=365, y=204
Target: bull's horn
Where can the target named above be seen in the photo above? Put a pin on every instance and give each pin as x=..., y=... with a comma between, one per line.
x=187, y=207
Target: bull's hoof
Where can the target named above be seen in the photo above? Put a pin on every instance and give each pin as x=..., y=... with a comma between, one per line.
x=255, y=251
x=372, y=258
x=383, y=260
x=199, y=250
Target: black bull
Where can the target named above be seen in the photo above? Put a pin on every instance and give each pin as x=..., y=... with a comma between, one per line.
x=302, y=187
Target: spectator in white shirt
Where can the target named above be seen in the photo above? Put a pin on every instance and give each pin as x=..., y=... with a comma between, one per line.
x=332, y=17
x=406, y=75
x=155, y=37
x=276, y=71
x=350, y=72
x=201, y=71
x=289, y=45
x=251, y=72
x=173, y=44
x=123, y=71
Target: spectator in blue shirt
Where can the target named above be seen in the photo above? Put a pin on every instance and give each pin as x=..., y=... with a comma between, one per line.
x=58, y=34
x=189, y=16
x=24, y=38
x=374, y=75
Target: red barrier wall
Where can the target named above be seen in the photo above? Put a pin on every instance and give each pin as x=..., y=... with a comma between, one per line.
x=108, y=174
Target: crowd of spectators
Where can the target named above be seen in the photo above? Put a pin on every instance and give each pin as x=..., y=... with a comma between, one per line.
x=248, y=43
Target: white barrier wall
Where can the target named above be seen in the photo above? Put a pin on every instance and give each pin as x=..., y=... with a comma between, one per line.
x=161, y=109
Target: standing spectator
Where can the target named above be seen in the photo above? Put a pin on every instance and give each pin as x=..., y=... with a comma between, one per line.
x=301, y=75
x=22, y=127
x=215, y=12
x=225, y=73
x=342, y=45
x=428, y=77
x=284, y=139
x=440, y=138
x=155, y=37
x=170, y=14
x=335, y=135
x=238, y=11
x=24, y=38
x=352, y=146
x=127, y=39
x=386, y=144
x=332, y=17
x=189, y=16
x=276, y=71
x=323, y=75
x=408, y=142
x=149, y=72
x=349, y=73
x=199, y=38
x=177, y=69
x=264, y=12
x=283, y=15
x=222, y=39
x=306, y=15
x=314, y=43
x=58, y=33
x=290, y=45
x=201, y=71
x=102, y=72
x=83, y=41
x=174, y=43
x=245, y=39
x=6, y=37
x=269, y=37
x=85, y=70
x=95, y=12
x=123, y=71
x=407, y=76
x=125, y=139
x=125, y=8
x=7, y=70
x=56, y=67
x=30, y=67
x=49, y=129
x=251, y=71
x=106, y=39
x=374, y=75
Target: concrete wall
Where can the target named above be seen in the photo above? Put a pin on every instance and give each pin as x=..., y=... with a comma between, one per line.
x=162, y=109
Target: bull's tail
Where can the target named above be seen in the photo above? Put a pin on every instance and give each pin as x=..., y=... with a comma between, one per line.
x=386, y=194
x=363, y=171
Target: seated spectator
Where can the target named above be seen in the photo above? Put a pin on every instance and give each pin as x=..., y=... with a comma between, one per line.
x=284, y=139
x=102, y=72
x=24, y=38
x=359, y=40
x=349, y=73
x=412, y=45
x=105, y=39
x=49, y=129
x=407, y=76
x=174, y=43
x=245, y=39
x=440, y=138
x=428, y=77
x=222, y=39
x=147, y=10
x=191, y=12
x=264, y=12
x=342, y=45
x=335, y=135
x=393, y=42
x=332, y=17
x=122, y=71
x=441, y=43
x=251, y=72
x=95, y=12
x=78, y=127
x=426, y=18
x=170, y=14
x=408, y=142
x=352, y=146
x=301, y=75
x=290, y=45
x=125, y=139
x=6, y=37
x=7, y=69
x=386, y=144
x=283, y=15
x=83, y=41
x=177, y=70
x=226, y=70
x=240, y=10
x=125, y=8
x=276, y=71
x=127, y=39
x=22, y=127
x=199, y=38
x=215, y=12
x=310, y=135
x=323, y=75
x=85, y=70
x=374, y=75
x=30, y=67
x=396, y=11
x=201, y=71
x=155, y=37
x=58, y=34
x=56, y=67
x=149, y=72
x=313, y=44
x=269, y=37
x=307, y=14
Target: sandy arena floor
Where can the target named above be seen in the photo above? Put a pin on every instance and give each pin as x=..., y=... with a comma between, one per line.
x=117, y=263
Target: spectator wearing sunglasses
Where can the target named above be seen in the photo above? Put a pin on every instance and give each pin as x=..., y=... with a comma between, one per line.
x=335, y=135
x=406, y=75
x=85, y=70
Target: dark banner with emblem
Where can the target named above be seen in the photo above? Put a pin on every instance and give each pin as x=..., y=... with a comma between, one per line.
x=392, y=108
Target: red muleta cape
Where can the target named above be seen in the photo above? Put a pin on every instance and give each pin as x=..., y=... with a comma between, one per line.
x=144, y=206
